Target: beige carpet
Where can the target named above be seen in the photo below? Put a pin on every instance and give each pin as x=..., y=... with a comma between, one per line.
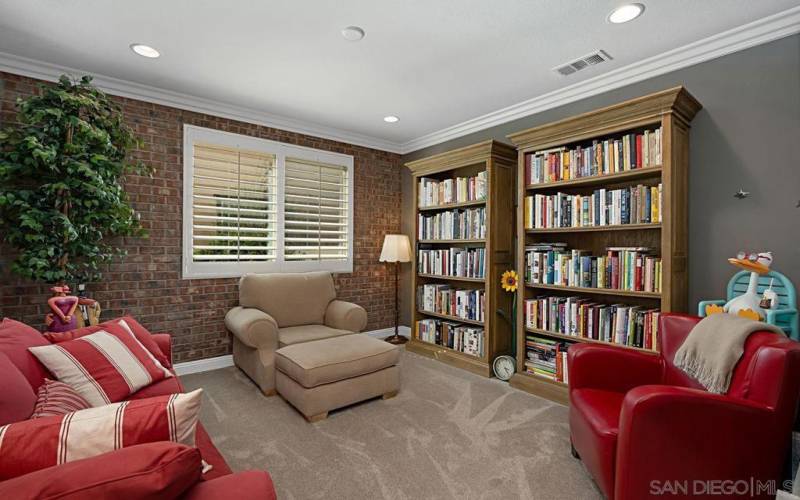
x=449, y=434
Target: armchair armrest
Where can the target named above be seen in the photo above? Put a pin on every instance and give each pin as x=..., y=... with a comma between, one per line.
x=610, y=368
x=677, y=434
x=701, y=306
x=345, y=316
x=164, y=343
x=253, y=327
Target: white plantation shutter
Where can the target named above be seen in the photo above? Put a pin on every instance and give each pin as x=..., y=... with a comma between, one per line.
x=252, y=205
x=316, y=212
x=234, y=205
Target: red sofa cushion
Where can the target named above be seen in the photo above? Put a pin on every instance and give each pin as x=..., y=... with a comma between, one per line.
x=57, y=398
x=39, y=443
x=594, y=428
x=17, y=398
x=244, y=485
x=154, y=471
x=104, y=367
x=141, y=333
x=15, y=339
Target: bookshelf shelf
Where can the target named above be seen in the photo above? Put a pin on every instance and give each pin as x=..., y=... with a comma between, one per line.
x=573, y=338
x=450, y=317
x=593, y=229
x=602, y=291
x=451, y=278
x=451, y=242
x=599, y=180
x=620, y=132
x=498, y=160
x=450, y=206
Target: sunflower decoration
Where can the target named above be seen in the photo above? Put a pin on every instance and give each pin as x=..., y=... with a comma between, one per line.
x=509, y=281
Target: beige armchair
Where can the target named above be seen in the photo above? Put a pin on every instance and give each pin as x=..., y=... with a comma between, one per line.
x=276, y=310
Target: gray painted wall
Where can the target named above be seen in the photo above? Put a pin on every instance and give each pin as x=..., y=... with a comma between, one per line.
x=747, y=135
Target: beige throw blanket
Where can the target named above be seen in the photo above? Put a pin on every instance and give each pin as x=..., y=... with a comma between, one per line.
x=713, y=348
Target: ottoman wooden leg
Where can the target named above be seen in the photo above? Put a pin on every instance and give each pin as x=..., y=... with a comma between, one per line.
x=390, y=395
x=269, y=392
x=317, y=418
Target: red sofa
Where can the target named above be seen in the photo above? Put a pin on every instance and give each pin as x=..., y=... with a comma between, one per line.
x=22, y=374
x=645, y=429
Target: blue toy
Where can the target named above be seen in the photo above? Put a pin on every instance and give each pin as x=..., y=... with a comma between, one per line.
x=784, y=315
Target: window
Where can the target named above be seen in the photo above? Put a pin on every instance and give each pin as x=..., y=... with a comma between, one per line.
x=252, y=205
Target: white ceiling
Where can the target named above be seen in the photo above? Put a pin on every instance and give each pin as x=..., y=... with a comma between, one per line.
x=434, y=63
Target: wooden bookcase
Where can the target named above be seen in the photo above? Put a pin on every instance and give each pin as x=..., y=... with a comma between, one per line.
x=672, y=110
x=499, y=162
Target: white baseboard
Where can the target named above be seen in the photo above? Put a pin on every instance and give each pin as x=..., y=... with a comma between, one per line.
x=386, y=332
x=204, y=365
x=208, y=364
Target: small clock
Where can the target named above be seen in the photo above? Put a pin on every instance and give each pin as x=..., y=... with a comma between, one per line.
x=504, y=367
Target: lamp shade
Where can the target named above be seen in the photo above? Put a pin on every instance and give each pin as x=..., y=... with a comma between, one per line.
x=396, y=248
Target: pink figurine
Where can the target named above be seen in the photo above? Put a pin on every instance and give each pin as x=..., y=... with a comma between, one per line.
x=62, y=319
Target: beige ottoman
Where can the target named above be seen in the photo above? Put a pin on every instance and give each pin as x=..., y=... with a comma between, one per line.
x=319, y=376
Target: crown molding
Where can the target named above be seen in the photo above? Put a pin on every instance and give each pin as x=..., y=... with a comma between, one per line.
x=758, y=32
x=51, y=72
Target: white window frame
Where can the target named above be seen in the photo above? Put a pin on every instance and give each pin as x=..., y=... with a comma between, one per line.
x=201, y=270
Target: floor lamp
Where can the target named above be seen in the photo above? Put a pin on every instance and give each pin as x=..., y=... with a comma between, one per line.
x=396, y=249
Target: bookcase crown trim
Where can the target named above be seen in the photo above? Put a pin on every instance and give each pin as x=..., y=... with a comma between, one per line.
x=615, y=118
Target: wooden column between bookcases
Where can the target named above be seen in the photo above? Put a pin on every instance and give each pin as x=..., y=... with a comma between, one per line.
x=672, y=110
x=499, y=161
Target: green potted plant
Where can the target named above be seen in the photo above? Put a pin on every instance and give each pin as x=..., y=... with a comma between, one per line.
x=61, y=201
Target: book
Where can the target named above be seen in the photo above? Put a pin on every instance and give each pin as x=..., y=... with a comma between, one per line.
x=630, y=151
x=621, y=324
x=434, y=192
x=453, y=225
x=604, y=207
x=454, y=261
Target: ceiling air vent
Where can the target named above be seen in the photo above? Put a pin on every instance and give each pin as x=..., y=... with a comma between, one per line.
x=583, y=62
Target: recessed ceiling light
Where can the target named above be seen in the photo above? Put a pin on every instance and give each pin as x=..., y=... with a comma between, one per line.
x=391, y=119
x=353, y=33
x=145, y=50
x=626, y=13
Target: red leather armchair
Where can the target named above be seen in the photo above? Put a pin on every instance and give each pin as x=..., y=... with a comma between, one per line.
x=645, y=429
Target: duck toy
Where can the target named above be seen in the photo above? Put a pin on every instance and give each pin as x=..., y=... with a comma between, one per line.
x=750, y=304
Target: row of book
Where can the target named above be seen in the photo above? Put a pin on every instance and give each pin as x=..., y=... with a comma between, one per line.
x=621, y=268
x=434, y=192
x=628, y=325
x=630, y=152
x=444, y=299
x=546, y=358
x=456, y=336
x=453, y=225
x=632, y=205
x=455, y=261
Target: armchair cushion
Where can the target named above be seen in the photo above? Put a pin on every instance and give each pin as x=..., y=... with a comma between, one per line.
x=15, y=339
x=39, y=443
x=148, y=471
x=589, y=368
x=253, y=327
x=345, y=316
x=308, y=333
x=17, y=398
x=103, y=367
x=126, y=322
x=249, y=485
x=290, y=298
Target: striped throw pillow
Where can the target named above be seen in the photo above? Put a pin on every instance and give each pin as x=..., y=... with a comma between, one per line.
x=57, y=398
x=35, y=444
x=104, y=367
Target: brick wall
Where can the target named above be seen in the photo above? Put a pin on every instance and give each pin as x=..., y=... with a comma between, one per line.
x=147, y=283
